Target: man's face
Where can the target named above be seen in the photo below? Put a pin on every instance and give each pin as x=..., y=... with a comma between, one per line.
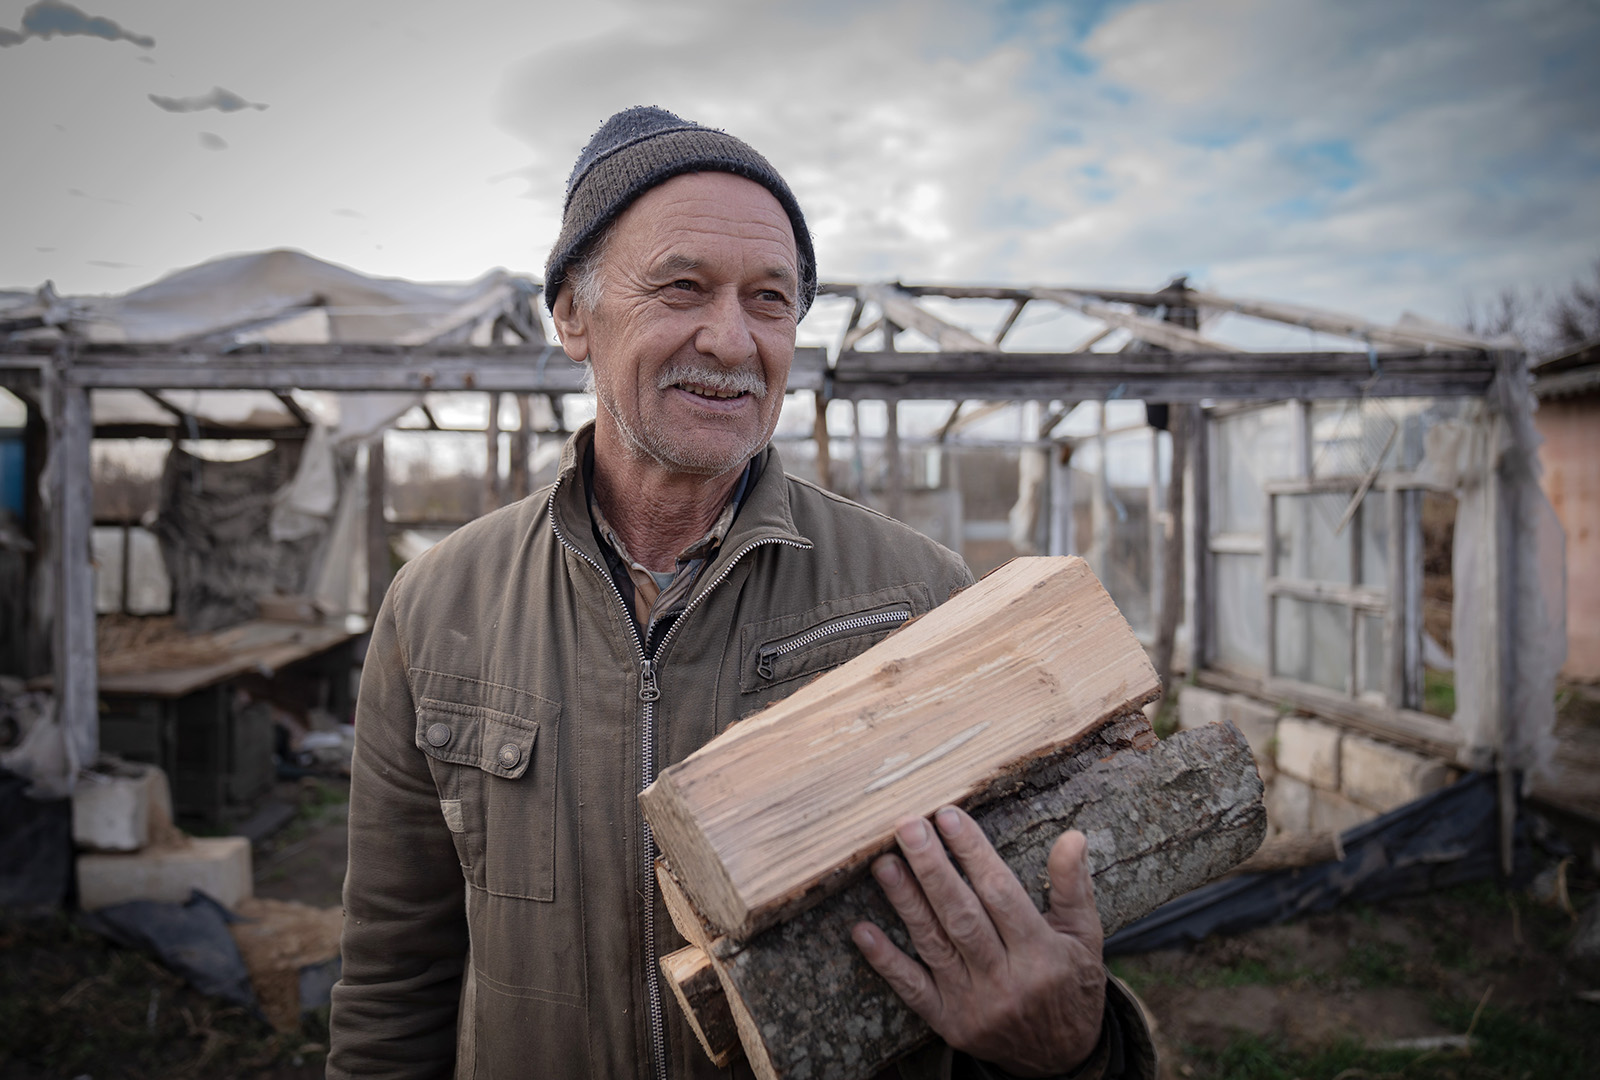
x=693, y=334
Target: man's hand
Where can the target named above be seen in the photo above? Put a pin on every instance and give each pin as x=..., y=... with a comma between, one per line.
x=997, y=979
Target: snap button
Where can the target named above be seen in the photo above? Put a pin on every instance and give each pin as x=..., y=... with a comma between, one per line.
x=438, y=734
x=510, y=754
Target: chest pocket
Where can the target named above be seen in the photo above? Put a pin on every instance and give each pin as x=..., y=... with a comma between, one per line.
x=496, y=775
x=777, y=655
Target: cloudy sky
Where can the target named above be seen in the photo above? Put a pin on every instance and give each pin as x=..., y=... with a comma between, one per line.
x=1371, y=155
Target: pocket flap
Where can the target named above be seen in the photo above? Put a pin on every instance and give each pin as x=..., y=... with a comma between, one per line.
x=499, y=743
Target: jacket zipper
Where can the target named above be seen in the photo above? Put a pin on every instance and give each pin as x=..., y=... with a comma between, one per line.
x=649, y=693
x=844, y=624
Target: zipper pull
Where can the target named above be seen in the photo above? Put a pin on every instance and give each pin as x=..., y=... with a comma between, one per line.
x=764, y=661
x=648, y=691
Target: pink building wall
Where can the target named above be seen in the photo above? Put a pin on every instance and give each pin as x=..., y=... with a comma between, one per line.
x=1571, y=459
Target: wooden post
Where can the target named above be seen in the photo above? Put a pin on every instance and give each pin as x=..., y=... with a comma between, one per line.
x=519, y=484
x=493, y=492
x=76, y=676
x=1197, y=480
x=896, y=477
x=1181, y=418
x=377, y=527
x=1063, y=540
x=819, y=432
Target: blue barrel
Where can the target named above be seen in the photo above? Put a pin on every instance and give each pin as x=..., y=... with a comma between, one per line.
x=13, y=473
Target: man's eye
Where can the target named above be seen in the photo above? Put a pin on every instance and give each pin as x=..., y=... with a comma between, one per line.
x=684, y=284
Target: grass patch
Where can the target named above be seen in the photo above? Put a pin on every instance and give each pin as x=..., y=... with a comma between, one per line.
x=1438, y=692
x=1376, y=963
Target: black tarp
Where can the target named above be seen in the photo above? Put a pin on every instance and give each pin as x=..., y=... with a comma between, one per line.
x=1449, y=837
x=191, y=938
x=35, y=846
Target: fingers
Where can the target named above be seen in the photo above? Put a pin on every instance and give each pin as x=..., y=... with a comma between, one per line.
x=956, y=908
x=1072, y=909
x=904, y=975
x=921, y=921
x=1009, y=908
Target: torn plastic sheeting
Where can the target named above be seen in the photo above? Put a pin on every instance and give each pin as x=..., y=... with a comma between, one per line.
x=191, y=938
x=1449, y=837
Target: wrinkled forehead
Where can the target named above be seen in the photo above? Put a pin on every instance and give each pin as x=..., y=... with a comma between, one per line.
x=698, y=218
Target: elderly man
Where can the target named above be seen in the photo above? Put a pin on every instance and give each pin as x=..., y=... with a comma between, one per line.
x=530, y=674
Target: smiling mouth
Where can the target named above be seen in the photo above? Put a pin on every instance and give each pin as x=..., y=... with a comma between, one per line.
x=710, y=391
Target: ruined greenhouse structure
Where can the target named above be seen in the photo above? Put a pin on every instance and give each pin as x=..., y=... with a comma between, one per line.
x=1334, y=528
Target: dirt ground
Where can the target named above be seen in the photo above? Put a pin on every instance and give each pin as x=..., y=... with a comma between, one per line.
x=1317, y=999
x=1367, y=991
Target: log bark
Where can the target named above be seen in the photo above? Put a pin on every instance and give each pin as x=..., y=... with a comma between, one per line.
x=1159, y=822
x=782, y=809
x=695, y=984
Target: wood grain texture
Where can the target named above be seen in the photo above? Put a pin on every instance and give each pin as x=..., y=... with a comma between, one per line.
x=781, y=810
x=1159, y=822
x=695, y=985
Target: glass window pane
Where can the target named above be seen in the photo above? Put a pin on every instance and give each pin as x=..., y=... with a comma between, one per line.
x=149, y=588
x=106, y=543
x=1372, y=655
x=1375, y=539
x=1240, y=617
x=1247, y=450
x=1308, y=549
x=1311, y=642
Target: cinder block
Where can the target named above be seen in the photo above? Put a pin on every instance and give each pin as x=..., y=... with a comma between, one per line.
x=1309, y=749
x=1198, y=707
x=1381, y=776
x=1288, y=802
x=218, y=866
x=119, y=806
x=1258, y=722
x=1332, y=812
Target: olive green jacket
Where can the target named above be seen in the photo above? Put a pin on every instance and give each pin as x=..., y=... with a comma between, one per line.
x=501, y=919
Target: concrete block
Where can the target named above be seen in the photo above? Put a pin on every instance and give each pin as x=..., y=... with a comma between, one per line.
x=1258, y=723
x=119, y=806
x=1309, y=749
x=1381, y=776
x=1332, y=812
x=1288, y=802
x=218, y=866
x=1198, y=707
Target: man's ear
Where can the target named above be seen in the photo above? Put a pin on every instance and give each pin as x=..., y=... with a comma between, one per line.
x=572, y=326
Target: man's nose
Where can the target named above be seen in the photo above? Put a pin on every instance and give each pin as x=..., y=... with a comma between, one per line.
x=725, y=333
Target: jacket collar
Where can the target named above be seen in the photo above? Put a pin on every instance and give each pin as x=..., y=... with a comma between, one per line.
x=766, y=516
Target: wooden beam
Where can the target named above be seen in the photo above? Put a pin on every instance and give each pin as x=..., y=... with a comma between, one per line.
x=1330, y=322
x=770, y=814
x=1010, y=320
x=1161, y=819
x=506, y=368
x=1194, y=377
x=1151, y=331
x=901, y=309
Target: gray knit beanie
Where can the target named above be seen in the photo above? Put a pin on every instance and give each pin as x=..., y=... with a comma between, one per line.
x=639, y=148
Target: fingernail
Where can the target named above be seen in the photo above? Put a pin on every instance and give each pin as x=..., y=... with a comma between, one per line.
x=914, y=835
x=949, y=821
x=887, y=871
